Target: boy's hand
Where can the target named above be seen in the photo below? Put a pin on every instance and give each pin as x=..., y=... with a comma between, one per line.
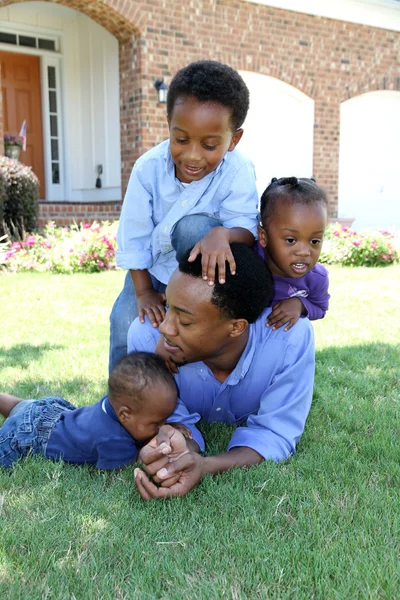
x=160, y=351
x=215, y=251
x=285, y=311
x=151, y=303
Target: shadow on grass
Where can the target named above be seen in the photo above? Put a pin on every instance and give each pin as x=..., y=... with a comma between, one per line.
x=21, y=355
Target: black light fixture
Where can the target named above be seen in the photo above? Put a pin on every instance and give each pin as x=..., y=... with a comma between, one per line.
x=162, y=90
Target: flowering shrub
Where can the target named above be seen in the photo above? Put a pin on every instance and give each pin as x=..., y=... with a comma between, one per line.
x=364, y=248
x=21, y=195
x=13, y=140
x=86, y=248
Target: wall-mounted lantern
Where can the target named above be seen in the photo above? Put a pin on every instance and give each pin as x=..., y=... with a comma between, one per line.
x=162, y=90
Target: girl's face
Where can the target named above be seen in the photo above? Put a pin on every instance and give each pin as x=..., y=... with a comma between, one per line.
x=293, y=237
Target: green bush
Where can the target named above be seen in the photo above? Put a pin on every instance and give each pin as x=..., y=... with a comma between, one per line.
x=87, y=248
x=364, y=248
x=21, y=196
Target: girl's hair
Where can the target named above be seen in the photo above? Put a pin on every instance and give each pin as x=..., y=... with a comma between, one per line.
x=297, y=191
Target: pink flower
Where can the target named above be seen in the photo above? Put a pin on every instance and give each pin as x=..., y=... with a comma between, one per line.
x=16, y=246
x=100, y=264
x=356, y=242
x=9, y=254
x=345, y=228
x=373, y=245
x=30, y=240
x=383, y=256
x=336, y=233
x=86, y=226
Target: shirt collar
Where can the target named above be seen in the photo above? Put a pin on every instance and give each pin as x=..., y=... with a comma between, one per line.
x=108, y=409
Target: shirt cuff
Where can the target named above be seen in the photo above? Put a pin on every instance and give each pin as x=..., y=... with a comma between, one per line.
x=269, y=445
x=134, y=260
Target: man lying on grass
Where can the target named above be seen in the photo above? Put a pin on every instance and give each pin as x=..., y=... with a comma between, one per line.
x=141, y=395
x=232, y=369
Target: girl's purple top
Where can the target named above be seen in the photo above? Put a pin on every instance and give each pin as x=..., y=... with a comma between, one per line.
x=312, y=289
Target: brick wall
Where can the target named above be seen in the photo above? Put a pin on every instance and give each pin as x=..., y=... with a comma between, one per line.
x=85, y=212
x=327, y=59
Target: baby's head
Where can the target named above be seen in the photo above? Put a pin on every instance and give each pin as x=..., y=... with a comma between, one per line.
x=293, y=220
x=143, y=394
x=207, y=104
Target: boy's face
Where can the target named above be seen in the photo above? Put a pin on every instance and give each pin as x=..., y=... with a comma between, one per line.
x=159, y=401
x=293, y=238
x=200, y=136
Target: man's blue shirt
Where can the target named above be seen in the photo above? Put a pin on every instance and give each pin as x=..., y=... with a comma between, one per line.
x=270, y=390
x=156, y=200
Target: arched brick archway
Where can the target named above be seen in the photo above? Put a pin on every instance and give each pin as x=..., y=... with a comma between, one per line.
x=118, y=20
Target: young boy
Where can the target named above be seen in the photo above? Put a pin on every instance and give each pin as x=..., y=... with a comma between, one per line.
x=193, y=186
x=293, y=222
x=141, y=395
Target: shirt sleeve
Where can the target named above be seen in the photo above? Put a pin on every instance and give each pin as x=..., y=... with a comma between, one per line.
x=317, y=301
x=116, y=452
x=279, y=423
x=182, y=415
x=136, y=224
x=240, y=205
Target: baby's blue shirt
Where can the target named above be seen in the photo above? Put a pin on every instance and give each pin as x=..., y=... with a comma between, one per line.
x=92, y=434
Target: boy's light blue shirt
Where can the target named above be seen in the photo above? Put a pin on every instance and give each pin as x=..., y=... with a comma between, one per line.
x=156, y=200
x=270, y=390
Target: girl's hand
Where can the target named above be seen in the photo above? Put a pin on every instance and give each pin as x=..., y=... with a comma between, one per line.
x=285, y=311
x=151, y=303
x=215, y=252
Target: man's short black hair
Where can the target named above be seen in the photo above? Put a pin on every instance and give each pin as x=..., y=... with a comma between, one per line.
x=244, y=295
x=290, y=189
x=133, y=374
x=211, y=81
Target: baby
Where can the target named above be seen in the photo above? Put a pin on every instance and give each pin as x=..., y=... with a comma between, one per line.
x=141, y=395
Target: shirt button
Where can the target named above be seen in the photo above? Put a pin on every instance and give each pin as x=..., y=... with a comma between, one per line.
x=218, y=409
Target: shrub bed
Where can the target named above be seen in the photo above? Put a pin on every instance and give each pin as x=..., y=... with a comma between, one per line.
x=87, y=248
x=364, y=248
x=21, y=188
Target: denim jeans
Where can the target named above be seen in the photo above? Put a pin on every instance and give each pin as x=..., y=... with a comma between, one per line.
x=28, y=427
x=186, y=233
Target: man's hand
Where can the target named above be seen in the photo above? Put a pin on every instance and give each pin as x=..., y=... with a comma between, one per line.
x=187, y=471
x=285, y=311
x=168, y=445
x=151, y=303
x=215, y=251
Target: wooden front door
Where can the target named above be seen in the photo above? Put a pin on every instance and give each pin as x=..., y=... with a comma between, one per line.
x=20, y=80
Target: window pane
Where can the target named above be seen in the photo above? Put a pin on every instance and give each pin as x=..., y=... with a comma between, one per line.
x=55, y=172
x=54, y=149
x=51, y=77
x=53, y=126
x=24, y=40
x=53, y=102
x=8, y=38
x=47, y=44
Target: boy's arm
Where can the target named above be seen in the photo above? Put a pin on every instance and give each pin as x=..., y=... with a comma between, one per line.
x=135, y=226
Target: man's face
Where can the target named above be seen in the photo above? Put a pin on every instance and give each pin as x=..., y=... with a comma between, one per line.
x=193, y=328
x=200, y=136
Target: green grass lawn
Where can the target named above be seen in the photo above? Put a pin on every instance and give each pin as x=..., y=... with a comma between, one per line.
x=324, y=524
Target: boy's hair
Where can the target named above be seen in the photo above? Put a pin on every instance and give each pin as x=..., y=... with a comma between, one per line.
x=134, y=373
x=211, y=81
x=244, y=295
x=291, y=189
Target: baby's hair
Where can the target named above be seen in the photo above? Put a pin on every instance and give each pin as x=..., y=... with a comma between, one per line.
x=211, y=81
x=133, y=374
x=290, y=189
